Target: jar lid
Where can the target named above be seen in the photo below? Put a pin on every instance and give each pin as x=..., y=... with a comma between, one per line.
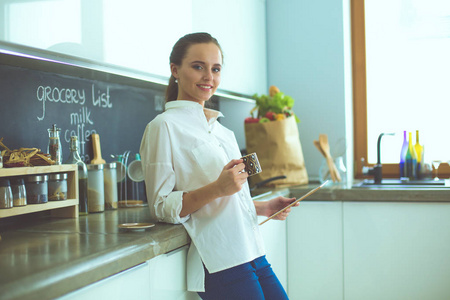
x=17, y=181
x=112, y=165
x=57, y=176
x=36, y=178
x=4, y=182
x=95, y=167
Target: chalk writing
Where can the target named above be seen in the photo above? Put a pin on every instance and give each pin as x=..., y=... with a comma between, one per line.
x=83, y=117
x=63, y=95
x=101, y=99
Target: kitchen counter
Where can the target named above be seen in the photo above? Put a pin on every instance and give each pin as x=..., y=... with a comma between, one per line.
x=341, y=192
x=42, y=258
x=46, y=258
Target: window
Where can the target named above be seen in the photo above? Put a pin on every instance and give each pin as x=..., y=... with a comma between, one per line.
x=401, y=79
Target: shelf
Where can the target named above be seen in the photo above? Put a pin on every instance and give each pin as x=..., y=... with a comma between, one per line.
x=31, y=208
x=63, y=208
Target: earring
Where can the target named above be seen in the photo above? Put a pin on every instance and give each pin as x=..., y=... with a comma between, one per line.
x=176, y=80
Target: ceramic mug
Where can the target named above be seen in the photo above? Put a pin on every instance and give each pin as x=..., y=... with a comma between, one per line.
x=251, y=162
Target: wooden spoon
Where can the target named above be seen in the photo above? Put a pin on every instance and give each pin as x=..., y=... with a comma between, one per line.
x=317, y=144
x=97, y=160
x=323, y=141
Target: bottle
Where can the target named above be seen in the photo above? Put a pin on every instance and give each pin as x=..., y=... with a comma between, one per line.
x=403, y=155
x=74, y=158
x=1, y=160
x=419, y=152
x=410, y=160
x=54, y=145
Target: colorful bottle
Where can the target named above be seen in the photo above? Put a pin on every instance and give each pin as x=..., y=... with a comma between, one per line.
x=403, y=155
x=419, y=152
x=411, y=160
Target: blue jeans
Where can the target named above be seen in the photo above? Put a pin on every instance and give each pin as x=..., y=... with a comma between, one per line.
x=252, y=280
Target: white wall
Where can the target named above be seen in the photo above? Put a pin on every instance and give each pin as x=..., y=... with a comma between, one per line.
x=309, y=59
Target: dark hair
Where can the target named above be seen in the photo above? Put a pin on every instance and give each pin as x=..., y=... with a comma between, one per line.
x=179, y=51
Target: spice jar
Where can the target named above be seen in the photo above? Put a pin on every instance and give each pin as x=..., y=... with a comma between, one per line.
x=6, y=198
x=110, y=184
x=96, y=189
x=57, y=186
x=18, y=191
x=37, y=189
x=54, y=144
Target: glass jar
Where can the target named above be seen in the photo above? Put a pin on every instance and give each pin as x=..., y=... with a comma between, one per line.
x=96, y=188
x=110, y=183
x=57, y=186
x=324, y=172
x=37, y=189
x=54, y=144
x=1, y=160
x=18, y=191
x=74, y=158
x=6, y=198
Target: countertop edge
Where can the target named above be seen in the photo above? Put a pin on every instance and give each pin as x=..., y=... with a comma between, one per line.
x=87, y=270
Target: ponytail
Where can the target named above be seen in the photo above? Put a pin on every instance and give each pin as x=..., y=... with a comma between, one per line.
x=172, y=90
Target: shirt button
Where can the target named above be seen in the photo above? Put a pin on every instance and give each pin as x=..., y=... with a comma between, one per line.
x=209, y=131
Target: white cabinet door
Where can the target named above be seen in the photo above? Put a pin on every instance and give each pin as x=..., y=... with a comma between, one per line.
x=168, y=276
x=240, y=27
x=314, y=240
x=396, y=250
x=274, y=235
x=129, y=284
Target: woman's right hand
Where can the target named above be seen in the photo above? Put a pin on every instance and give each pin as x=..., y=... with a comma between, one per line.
x=232, y=178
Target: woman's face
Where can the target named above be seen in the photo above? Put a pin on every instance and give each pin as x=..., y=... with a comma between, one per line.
x=199, y=74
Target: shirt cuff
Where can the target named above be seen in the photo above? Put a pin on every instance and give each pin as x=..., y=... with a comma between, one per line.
x=172, y=208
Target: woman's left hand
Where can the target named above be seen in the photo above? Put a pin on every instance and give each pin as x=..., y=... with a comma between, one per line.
x=268, y=208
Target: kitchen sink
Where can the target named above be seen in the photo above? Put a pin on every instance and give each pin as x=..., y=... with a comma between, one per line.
x=403, y=184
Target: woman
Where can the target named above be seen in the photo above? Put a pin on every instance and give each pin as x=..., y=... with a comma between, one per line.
x=194, y=176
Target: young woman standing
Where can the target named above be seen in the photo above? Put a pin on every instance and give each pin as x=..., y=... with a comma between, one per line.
x=194, y=176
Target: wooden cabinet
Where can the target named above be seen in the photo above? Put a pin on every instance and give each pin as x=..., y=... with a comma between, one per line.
x=64, y=208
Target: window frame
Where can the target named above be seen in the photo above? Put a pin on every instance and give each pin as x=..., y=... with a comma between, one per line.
x=358, y=44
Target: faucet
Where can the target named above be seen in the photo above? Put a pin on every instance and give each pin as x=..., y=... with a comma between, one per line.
x=376, y=170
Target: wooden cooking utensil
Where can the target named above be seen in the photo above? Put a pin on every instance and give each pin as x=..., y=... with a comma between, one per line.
x=317, y=144
x=323, y=141
x=97, y=160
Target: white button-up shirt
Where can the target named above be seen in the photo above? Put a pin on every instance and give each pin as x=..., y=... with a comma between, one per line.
x=182, y=151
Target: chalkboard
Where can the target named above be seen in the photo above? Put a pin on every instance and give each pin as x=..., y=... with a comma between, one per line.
x=36, y=93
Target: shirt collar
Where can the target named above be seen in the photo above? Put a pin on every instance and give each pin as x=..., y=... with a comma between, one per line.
x=210, y=114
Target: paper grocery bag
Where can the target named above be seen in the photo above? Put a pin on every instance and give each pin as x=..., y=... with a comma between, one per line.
x=277, y=144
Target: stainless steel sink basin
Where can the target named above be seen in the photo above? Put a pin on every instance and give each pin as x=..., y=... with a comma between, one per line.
x=403, y=184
